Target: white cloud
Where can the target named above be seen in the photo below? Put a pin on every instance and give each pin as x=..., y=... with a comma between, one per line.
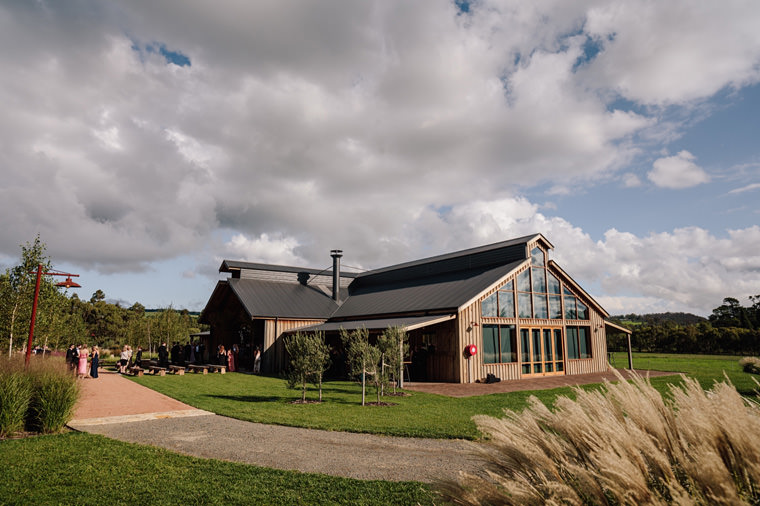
x=749, y=187
x=677, y=171
x=631, y=180
x=263, y=249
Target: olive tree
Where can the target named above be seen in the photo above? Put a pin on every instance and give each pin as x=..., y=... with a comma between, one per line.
x=309, y=359
x=362, y=358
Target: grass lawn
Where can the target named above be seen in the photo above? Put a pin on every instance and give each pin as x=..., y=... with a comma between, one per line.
x=268, y=400
x=80, y=468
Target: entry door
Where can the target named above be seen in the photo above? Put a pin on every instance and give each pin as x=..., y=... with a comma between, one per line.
x=541, y=351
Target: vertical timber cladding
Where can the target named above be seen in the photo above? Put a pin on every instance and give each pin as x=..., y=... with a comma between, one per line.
x=273, y=355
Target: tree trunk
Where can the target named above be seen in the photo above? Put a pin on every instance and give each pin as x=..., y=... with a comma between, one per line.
x=364, y=380
x=320, y=388
x=303, y=390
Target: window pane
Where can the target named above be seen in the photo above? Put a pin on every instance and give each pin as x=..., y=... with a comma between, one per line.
x=548, y=352
x=560, y=366
x=525, y=342
x=570, y=312
x=506, y=304
x=490, y=343
x=537, y=368
x=523, y=281
x=508, y=286
x=584, y=342
x=566, y=291
x=508, y=343
x=552, y=282
x=539, y=280
x=536, y=345
x=539, y=306
x=572, y=342
x=558, y=344
x=537, y=256
x=582, y=310
x=555, y=307
x=524, y=305
x=488, y=306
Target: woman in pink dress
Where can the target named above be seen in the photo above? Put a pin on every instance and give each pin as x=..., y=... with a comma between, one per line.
x=82, y=369
x=231, y=359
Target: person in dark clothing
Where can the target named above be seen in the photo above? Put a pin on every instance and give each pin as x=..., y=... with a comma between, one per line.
x=163, y=356
x=138, y=357
x=71, y=359
x=175, y=353
x=186, y=352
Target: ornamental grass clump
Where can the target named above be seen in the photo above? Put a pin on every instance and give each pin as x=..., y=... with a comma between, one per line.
x=55, y=395
x=15, y=397
x=622, y=444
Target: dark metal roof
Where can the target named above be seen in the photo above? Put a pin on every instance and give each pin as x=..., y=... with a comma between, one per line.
x=267, y=299
x=482, y=257
x=447, y=291
x=234, y=265
x=407, y=322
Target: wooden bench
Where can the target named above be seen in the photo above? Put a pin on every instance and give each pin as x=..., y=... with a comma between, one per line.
x=198, y=368
x=161, y=371
x=136, y=371
x=221, y=369
x=177, y=369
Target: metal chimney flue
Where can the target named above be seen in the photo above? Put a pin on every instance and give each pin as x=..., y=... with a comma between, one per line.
x=336, y=254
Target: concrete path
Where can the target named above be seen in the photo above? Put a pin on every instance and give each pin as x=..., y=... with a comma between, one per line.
x=121, y=409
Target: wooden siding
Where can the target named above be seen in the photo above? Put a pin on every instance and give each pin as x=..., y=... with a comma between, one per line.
x=273, y=356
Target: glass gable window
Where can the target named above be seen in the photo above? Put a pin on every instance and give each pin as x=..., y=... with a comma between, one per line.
x=539, y=280
x=523, y=281
x=499, y=344
x=488, y=307
x=524, y=305
x=537, y=257
x=552, y=283
x=555, y=307
x=539, y=306
x=506, y=304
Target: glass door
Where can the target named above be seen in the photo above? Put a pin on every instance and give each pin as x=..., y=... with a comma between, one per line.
x=541, y=352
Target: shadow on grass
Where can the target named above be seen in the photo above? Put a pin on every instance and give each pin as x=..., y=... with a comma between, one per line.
x=249, y=398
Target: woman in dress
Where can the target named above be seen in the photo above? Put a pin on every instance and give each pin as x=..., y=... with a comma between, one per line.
x=257, y=361
x=82, y=369
x=95, y=362
x=231, y=362
x=123, y=360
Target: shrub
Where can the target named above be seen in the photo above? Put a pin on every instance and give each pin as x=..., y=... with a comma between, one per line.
x=750, y=364
x=55, y=395
x=623, y=444
x=15, y=397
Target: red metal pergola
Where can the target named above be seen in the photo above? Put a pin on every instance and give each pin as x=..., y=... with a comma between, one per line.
x=68, y=283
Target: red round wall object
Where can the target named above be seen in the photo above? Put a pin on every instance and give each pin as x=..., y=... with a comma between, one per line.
x=472, y=350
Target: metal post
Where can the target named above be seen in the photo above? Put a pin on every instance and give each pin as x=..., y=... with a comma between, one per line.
x=630, y=355
x=34, y=316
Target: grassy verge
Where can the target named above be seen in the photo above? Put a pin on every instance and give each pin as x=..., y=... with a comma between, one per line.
x=268, y=400
x=83, y=468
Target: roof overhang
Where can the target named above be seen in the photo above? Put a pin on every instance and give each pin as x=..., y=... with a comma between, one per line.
x=406, y=322
x=616, y=327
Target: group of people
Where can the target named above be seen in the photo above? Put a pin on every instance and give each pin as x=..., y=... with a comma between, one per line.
x=77, y=361
x=234, y=358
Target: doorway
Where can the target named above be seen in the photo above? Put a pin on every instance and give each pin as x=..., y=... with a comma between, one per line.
x=542, y=351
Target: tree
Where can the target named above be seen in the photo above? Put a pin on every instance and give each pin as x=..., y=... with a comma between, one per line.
x=393, y=347
x=309, y=358
x=362, y=358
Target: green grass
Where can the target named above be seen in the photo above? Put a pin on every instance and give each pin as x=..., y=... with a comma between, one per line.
x=707, y=369
x=268, y=400
x=79, y=468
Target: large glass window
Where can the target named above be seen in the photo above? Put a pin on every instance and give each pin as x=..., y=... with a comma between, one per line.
x=552, y=283
x=499, y=344
x=524, y=305
x=539, y=306
x=523, y=281
x=578, y=342
x=575, y=309
x=490, y=343
x=506, y=304
x=489, y=306
x=555, y=307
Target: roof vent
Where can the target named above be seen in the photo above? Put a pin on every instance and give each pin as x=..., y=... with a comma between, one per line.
x=336, y=254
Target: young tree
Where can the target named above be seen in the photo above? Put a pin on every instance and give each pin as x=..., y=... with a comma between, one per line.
x=393, y=347
x=309, y=358
x=362, y=358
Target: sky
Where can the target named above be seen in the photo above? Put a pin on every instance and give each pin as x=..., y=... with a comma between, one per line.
x=145, y=141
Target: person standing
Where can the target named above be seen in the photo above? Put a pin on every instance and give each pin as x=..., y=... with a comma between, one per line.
x=163, y=356
x=95, y=362
x=71, y=358
x=231, y=362
x=257, y=361
x=82, y=369
x=123, y=360
x=138, y=357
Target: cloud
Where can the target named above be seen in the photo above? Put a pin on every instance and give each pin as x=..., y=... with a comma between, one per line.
x=749, y=187
x=677, y=172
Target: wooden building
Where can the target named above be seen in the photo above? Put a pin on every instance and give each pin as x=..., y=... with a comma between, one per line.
x=525, y=315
